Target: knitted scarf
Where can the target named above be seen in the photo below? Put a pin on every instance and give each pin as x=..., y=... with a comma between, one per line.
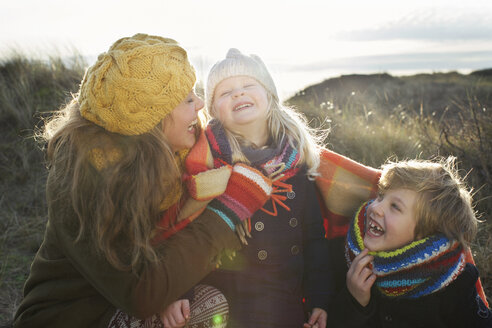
x=216, y=145
x=221, y=152
x=279, y=168
x=414, y=270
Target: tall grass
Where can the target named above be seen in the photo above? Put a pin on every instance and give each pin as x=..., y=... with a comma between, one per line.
x=29, y=90
x=411, y=117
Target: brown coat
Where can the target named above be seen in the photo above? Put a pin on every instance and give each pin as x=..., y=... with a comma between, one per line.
x=72, y=285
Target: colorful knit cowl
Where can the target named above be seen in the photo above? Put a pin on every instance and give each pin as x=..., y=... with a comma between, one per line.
x=420, y=268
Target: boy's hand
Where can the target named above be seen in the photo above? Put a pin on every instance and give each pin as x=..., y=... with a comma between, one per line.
x=176, y=314
x=360, y=278
x=317, y=319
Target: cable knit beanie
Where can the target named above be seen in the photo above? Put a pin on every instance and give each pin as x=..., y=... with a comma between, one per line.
x=135, y=84
x=237, y=64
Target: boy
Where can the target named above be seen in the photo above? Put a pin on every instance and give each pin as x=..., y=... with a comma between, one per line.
x=407, y=250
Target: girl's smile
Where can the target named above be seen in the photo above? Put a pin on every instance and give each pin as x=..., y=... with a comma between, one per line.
x=241, y=106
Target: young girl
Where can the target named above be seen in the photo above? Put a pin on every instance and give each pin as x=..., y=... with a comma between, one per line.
x=284, y=261
x=407, y=252
x=285, y=257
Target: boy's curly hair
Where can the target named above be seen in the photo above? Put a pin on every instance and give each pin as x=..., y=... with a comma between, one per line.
x=443, y=203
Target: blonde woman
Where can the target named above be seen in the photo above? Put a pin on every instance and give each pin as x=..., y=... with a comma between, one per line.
x=114, y=156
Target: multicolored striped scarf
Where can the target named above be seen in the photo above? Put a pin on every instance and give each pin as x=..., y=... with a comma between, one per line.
x=414, y=270
x=279, y=168
x=282, y=162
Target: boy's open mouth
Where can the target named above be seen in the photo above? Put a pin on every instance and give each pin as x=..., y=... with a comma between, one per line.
x=374, y=228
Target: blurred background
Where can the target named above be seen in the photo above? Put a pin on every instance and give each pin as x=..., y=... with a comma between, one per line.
x=303, y=42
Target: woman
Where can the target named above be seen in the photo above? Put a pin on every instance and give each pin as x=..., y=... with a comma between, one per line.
x=114, y=156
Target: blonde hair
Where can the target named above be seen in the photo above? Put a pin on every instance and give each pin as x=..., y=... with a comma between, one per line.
x=443, y=203
x=118, y=202
x=283, y=122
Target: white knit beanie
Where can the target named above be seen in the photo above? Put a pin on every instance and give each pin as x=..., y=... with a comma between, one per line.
x=237, y=64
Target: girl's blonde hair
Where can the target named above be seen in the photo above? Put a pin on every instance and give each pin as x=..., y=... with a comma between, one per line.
x=443, y=202
x=116, y=199
x=283, y=122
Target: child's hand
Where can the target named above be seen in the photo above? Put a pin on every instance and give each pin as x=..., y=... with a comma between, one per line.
x=317, y=319
x=176, y=314
x=360, y=278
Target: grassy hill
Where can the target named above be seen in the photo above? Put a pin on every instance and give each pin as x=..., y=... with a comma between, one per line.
x=371, y=117
x=375, y=117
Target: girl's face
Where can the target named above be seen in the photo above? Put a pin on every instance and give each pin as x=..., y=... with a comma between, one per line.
x=241, y=104
x=180, y=126
x=390, y=220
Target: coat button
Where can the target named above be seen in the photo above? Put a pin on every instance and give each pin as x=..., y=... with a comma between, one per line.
x=259, y=226
x=294, y=250
x=262, y=255
x=293, y=222
x=291, y=194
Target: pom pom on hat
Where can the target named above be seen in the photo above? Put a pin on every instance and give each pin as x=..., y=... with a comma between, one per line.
x=238, y=64
x=135, y=84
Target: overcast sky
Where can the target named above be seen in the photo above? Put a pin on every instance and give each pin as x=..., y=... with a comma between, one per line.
x=303, y=41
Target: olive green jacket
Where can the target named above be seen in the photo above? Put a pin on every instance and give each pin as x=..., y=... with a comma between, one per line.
x=73, y=285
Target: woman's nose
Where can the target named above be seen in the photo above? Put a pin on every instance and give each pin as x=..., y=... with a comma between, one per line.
x=199, y=104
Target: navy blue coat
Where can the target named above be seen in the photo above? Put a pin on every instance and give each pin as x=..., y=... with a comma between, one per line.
x=284, y=262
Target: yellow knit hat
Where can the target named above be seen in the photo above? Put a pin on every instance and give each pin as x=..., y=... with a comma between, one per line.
x=135, y=84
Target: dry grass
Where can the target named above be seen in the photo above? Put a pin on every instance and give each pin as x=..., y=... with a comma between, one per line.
x=29, y=89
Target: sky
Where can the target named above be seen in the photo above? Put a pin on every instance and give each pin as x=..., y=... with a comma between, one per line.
x=303, y=41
